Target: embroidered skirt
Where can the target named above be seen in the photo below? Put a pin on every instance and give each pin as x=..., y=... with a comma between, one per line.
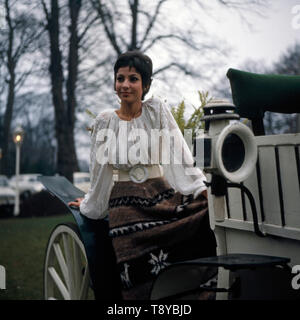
x=151, y=227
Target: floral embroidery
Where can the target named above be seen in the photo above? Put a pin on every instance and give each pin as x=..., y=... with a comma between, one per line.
x=159, y=262
x=125, y=276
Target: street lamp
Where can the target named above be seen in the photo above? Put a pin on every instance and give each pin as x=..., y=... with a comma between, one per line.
x=18, y=137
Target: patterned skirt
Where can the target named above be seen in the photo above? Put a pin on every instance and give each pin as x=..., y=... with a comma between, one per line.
x=151, y=227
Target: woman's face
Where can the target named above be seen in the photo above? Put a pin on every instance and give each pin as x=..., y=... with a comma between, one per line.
x=128, y=85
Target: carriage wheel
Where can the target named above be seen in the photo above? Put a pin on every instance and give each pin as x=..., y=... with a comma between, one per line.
x=66, y=274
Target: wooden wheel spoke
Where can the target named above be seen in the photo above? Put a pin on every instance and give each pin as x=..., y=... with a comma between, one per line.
x=66, y=267
x=78, y=277
x=61, y=261
x=59, y=284
x=84, y=284
x=70, y=264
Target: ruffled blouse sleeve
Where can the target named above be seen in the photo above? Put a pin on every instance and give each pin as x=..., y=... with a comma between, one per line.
x=180, y=171
x=95, y=202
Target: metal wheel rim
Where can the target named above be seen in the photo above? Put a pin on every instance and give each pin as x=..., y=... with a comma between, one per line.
x=66, y=274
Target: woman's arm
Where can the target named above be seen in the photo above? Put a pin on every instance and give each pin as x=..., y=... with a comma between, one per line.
x=180, y=171
x=95, y=202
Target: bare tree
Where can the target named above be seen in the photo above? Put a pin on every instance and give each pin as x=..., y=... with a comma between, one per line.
x=64, y=104
x=34, y=110
x=145, y=26
x=18, y=38
x=140, y=25
x=289, y=64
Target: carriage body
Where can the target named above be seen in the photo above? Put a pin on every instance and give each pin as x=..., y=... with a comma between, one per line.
x=273, y=185
x=260, y=217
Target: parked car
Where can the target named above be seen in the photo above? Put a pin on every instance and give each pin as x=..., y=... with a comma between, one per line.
x=28, y=184
x=81, y=180
x=7, y=195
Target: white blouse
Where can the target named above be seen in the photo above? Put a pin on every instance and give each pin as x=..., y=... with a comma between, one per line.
x=120, y=144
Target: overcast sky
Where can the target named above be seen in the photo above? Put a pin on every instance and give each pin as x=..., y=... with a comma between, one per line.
x=271, y=37
x=265, y=41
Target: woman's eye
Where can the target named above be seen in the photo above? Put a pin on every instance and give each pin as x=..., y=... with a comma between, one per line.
x=120, y=79
x=134, y=79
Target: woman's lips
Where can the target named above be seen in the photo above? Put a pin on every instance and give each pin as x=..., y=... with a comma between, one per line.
x=126, y=94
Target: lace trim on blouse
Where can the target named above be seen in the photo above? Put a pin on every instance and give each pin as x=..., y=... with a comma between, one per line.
x=155, y=115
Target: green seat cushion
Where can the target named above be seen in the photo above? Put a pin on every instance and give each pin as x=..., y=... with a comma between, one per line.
x=253, y=94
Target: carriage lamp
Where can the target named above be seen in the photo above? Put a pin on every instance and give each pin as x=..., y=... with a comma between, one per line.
x=229, y=151
x=229, y=148
x=18, y=137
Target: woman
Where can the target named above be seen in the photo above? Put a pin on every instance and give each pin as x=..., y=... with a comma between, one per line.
x=157, y=207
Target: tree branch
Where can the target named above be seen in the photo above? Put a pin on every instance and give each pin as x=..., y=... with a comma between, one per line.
x=177, y=65
x=152, y=21
x=81, y=36
x=171, y=36
x=104, y=16
x=134, y=14
x=45, y=11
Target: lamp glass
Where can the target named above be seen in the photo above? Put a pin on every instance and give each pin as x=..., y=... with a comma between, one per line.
x=18, y=135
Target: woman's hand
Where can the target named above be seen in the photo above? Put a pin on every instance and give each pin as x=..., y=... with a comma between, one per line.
x=204, y=193
x=201, y=195
x=75, y=203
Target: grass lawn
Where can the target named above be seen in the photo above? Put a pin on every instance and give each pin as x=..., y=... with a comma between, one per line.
x=23, y=244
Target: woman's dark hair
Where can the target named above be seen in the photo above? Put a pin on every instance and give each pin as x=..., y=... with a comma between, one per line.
x=142, y=64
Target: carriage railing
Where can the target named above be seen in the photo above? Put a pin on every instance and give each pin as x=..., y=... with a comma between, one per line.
x=275, y=184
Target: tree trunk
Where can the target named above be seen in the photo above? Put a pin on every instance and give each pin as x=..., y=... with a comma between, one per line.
x=73, y=61
x=11, y=65
x=134, y=13
x=64, y=118
x=7, y=123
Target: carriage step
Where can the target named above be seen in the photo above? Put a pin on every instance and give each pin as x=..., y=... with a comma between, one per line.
x=186, y=278
x=234, y=261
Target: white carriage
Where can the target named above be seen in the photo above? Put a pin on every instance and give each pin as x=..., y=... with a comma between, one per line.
x=254, y=206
